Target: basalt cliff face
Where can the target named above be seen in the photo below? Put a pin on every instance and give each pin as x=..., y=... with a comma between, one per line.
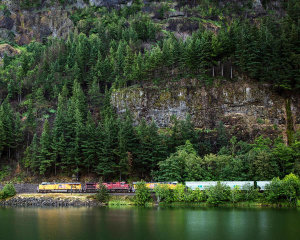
x=53, y=19
x=49, y=20
x=246, y=108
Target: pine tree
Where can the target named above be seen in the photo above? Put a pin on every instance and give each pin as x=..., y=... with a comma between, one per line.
x=128, y=144
x=129, y=58
x=94, y=93
x=33, y=161
x=30, y=122
x=2, y=137
x=91, y=143
x=79, y=101
x=8, y=123
x=82, y=56
x=151, y=148
x=45, y=153
x=108, y=151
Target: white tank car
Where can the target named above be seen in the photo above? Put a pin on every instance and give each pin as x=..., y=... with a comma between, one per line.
x=262, y=184
x=205, y=185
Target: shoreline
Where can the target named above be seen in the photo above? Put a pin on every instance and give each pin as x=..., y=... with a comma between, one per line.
x=50, y=200
x=85, y=200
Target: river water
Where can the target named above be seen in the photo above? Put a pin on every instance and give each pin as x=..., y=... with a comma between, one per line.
x=148, y=223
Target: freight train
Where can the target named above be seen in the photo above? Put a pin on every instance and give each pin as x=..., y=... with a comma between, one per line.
x=47, y=187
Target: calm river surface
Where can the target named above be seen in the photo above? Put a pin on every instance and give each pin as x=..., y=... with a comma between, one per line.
x=148, y=223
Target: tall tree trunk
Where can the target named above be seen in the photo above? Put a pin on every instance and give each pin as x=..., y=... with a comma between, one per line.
x=222, y=69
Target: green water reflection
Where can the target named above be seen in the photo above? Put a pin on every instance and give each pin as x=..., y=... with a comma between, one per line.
x=148, y=223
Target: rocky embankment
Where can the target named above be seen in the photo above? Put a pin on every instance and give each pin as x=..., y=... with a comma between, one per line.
x=53, y=200
x=24, y=187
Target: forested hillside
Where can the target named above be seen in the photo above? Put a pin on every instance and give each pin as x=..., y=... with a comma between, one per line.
x=56, y=117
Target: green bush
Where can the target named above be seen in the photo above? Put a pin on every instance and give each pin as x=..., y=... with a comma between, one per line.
x=8, y=191
x=179, y=193
x=218, y=194
x=195, y=195
x=250, y=193
x=285, y=190
x=291, y=185
x=102, y=194
x=142, y=194
x=274, y=191
x=163, y=193
x=236, y=195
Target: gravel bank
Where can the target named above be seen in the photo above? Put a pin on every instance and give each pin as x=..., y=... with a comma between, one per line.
x=46, y=201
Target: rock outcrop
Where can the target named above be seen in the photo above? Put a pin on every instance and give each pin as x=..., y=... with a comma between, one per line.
x=6, y=49
x=51, y=18
x=246, y=108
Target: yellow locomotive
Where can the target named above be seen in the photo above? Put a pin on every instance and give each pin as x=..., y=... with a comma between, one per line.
x=47, y=187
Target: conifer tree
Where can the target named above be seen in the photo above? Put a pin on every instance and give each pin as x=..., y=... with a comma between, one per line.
x=2, y=137
x=94, y=93
x=32, y=159
x=45, y=153
x=91, y=143
x=108, y=152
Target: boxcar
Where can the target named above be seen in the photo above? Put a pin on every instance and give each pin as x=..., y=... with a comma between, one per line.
x=46, y=187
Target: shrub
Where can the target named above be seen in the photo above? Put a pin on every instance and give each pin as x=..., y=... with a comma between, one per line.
x=102, y=194
x=250, y=193
x=195, y=195
x=163, y=193
x=236, y=195
x=142, y=194
x=287, y=189
x=274, y=191
x=291, y=185
x=179, y=193
x=8, y=191
x=218, y=194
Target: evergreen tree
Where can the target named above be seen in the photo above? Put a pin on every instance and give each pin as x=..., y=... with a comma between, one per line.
x=94, y=93
x=108, y=152
x=45, y=152
x=31, y=158
x=2, y=137
x=91, y=143
x=128, y=144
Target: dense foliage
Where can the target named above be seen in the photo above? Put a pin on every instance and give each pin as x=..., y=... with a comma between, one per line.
x=102, y=195
x=261, y=160
x=65, y=86
x=142, y=194
x=7, y=191
x=285, y=191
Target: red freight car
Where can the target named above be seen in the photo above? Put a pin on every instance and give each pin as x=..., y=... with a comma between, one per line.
x=117, y=187
x=91, y=187
x=111, y=187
